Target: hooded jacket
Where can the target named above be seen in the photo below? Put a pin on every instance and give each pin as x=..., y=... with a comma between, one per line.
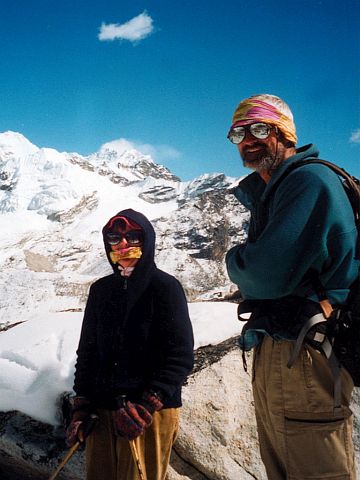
x=136, y=333
x=306, y=223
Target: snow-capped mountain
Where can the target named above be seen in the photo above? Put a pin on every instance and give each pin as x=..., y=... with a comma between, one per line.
x=53, y=206
x=46, y=181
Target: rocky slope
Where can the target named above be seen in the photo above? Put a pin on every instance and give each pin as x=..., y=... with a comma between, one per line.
x=217, y=439
x=53, y=206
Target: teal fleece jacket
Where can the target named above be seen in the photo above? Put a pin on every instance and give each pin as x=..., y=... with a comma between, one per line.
x=307, y=223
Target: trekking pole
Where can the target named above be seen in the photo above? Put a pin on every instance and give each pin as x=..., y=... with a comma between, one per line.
x=65, y=460
x=88, y=428
x=136, y=458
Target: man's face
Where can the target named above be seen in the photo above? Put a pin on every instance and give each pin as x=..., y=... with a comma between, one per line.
x=262, y=154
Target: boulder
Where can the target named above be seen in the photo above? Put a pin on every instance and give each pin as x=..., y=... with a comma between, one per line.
x=218, y=431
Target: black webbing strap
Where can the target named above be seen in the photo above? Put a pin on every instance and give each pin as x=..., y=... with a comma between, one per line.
x=327, y=349
x=311, y=322
x=335, y=370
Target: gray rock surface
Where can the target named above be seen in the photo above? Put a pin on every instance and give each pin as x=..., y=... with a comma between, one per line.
x=218, y=432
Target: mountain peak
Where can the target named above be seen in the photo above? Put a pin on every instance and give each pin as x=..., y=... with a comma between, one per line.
x=16, y=143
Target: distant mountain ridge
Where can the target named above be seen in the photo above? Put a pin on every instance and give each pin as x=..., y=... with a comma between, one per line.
x=63, y=173
x=53, y=205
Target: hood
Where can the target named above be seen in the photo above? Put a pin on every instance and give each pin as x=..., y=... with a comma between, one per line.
x=146, y=263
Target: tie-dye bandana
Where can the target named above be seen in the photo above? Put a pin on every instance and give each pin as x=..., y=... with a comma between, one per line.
x=254, y=110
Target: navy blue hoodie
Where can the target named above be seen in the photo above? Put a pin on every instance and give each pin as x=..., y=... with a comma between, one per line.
x=136, y=332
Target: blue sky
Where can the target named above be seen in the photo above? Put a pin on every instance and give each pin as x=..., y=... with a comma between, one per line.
x=170, y=84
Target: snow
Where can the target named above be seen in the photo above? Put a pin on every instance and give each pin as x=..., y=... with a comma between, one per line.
x=37, y=357
x=16, y=142
x=213, y=322
x=37, y=361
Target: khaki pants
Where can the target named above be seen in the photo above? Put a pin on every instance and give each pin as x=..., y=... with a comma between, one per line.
x=108, y=457
x=300, y=436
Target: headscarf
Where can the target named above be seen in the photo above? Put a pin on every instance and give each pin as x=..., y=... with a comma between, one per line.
x=123, y=223
x=268, y=109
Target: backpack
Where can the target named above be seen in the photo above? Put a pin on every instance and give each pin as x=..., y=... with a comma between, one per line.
x=342, y=329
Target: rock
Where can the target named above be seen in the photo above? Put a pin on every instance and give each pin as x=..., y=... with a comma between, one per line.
x=158, y=193
x=32, y=450
x=181, y=470
x=192, y=241
x=87, y=203
x=39, y=263
x=218, y=431
x=217, y=439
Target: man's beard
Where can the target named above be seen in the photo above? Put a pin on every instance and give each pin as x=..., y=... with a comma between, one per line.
x=266, y=163
x=263, y=162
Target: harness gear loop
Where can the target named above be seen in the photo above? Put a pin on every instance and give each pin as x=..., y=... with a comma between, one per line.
x=327, y=349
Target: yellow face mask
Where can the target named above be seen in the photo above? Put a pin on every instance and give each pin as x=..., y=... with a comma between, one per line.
x=131, y=252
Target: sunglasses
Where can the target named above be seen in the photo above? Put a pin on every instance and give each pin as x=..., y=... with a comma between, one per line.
x=132, y=237
x=257, y=130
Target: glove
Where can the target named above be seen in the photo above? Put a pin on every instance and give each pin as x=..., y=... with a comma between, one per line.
x=152, y=401
x=81, y=419
x=131, y=419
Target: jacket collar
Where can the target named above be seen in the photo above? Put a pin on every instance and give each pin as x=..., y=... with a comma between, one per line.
x=253, y=189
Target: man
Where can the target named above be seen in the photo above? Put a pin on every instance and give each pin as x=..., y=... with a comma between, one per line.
x=135, y=352
x=301, y=243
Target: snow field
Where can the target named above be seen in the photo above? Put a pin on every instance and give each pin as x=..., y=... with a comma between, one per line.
x=37, y=357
